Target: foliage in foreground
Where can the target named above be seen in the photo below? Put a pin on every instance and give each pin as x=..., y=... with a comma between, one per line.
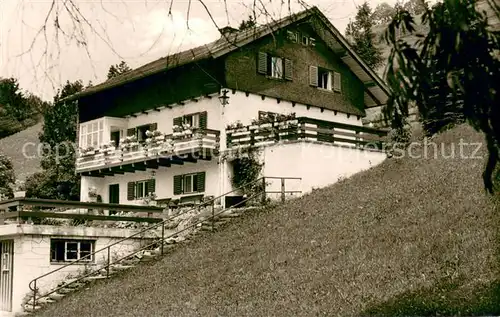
x=58, y=179
x=451, y=73
x=7, y=177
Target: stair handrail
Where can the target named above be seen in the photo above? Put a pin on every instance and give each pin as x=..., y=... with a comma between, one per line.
x=33, y=282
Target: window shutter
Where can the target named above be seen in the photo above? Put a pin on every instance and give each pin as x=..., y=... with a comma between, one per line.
x=177, y=184
x=288, y=69
x=151, y=186
x=153, y=126
x=203, y=120
x=131, y=191
x=201, y=182
x=313, y=76
x=131, y=132
x=262, y=63
x=337, y=82
x=178, y=121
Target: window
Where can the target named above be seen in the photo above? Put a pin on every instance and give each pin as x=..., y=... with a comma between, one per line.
x=141, y=132
x=140, y=189
x=325, y=79
x=274, y=66
x=71, y=250
x=189, y=183
x=305, y=40
x=91, y=134
x=292, y=36
x=195, y=120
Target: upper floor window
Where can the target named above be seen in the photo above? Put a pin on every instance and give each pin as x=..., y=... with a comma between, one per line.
x=274, y=66
x=303, y=38
x=71, y=250
x=91, y=134
x=140, y=131
x=325, y=79
x=195, y=120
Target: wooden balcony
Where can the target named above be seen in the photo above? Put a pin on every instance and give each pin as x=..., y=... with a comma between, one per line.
x=158, y=151
x=20, y=210
x=309, y=129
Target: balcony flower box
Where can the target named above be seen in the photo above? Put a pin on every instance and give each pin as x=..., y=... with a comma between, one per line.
x=266, y=125
x=238, y=133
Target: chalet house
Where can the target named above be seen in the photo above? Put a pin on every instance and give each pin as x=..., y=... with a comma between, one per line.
x=294, y=89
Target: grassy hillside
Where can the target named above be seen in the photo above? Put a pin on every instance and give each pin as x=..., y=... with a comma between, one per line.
x=27, y=161
x=412, y=236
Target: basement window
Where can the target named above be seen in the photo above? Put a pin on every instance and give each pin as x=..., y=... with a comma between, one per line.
x=71, y=250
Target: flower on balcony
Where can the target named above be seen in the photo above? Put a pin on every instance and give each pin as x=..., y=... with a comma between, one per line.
x=182, y=131
x=177, y=128
x=107, y=147
x=129, y=139
x=87, y=151
x=149, y=199
x=235, y=125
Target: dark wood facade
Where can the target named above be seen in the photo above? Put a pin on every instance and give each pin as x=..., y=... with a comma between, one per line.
x=238, y=70
x=165, y=88
x=241, y=72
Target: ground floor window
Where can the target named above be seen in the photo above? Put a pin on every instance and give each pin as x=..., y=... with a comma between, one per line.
x=62, y=250
x=189, y=183
x=140, y=189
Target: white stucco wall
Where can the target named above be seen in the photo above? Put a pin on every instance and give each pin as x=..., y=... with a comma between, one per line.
x=32, y=253
x=241, y=108
x=245, y=109
x=164, y=177
x=317, y=164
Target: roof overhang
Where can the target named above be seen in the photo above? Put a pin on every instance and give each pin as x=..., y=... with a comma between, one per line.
x=376, y=91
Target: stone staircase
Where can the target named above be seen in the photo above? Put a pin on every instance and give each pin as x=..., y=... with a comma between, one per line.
x=72, y=285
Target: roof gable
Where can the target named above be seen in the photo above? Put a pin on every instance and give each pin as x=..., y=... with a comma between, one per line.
x=376, y=92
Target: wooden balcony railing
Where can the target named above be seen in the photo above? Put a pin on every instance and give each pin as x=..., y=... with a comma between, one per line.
x=22, y=209
x=203, y=143
x=304, y=128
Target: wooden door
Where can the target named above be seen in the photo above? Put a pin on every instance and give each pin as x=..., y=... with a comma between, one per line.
x=6, y=274
x=114, y=194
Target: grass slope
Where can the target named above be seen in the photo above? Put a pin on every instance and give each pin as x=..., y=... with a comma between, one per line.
x=25, y=162
x=376, y=243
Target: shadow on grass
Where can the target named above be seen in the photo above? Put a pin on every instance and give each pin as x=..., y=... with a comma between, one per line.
x=444, y=298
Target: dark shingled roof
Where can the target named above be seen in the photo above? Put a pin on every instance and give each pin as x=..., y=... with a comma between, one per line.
x=230, y=42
